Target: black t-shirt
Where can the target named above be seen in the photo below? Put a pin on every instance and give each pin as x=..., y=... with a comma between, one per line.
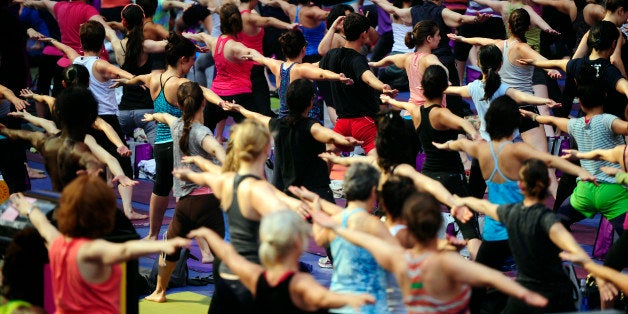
x=296, y=154
x=351, y=101
x=535, y=254
x=615, y=102
x=432, y=11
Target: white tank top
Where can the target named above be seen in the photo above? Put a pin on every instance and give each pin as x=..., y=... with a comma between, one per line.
x=399, y=38
x=105, y=96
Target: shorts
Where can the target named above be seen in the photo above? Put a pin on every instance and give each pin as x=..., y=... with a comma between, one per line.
x=608, y=199
x=539, y=77
x=214, y=114
x=362, y=129
x=491, y=28
x=528, y=124
x=195, y=211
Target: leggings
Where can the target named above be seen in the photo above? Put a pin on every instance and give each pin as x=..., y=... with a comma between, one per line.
x=492, y=254
x=164, y=164
x=617, y=257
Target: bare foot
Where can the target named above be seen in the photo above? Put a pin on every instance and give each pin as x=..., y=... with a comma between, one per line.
x=35, y=173
x=156, y=296
x=135, y=216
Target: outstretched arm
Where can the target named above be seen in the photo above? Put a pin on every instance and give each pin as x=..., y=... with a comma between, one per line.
x=108, y=253
x=67, y=50
x=403, y=14
x=462, y=91
x=480, y=41
x=211, y=97
x=247, y=271
x=346, y=161
x=49, y=126
x=328, y=136
x=35, y=138
x=112, y=135
x=455, y=19
x=48, y=100
x=560, y=123
x=446, y=119
x=529, y=99
x=462, y=144
x=36, y=217
x=103, y=156
x=248, y=113
x=399, y=60
x=614, y=155
x=161, y=117
x=312, y=72
x=560, y=64
x=525, y=151
x=212, y=146
x=261, y=21
x=481, y=206
x=8, y=94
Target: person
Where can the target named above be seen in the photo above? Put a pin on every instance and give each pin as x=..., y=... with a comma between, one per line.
x=423, y=38
x=246, y=198
x=197, y=206
x=233, y=74
x=294, y=48
x=599, y=271
x=277, y=285
x=394, y=193
x=134, y=54
x=299, y=140
x=536, y=236
x=431, y=280
x=356, y=104
x=163, y=89
x=311, y=20
x=85, y=270
x=433, y=123
x=12, y=160
x=500, y=161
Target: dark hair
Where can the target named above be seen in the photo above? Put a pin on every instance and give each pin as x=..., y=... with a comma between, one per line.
x=420, y=32
x=336, y=12
x=299, y=98
x=149, y=6
x=613, y=5
x=395, y=191
x=533, y=174
x=178, y=47
x=519, y=22
x=190, y=98
x=502, y=117
x=76, y=109
x=490, y=60
x=292, y=43
x=434, y=81
x=422, y=215
x=590, y=88
x=602, y=35
x=230, y=19
x=355, y=24
x=92, y=35
x=75, y=75
x=23, y=268
x=87, y=208
x=391, y=130
x=359, y=182
x=133, y=16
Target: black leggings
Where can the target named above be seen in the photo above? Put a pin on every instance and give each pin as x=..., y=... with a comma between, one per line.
x=492, y=254
x=230, y=296
x=617, y=257
x=102, y=140
x=164, y=164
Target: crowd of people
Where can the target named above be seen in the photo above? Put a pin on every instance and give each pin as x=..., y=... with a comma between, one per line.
x=196, y=77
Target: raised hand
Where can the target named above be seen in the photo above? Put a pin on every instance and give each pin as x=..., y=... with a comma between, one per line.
x=171, y=245
x=527, y=114
x=555, y=74
x=124, y=151
x=611, y=171
x=118, y=82
x=526, y=61
x=124, y=180
x=534, y=299
x=389, y=91
x=551, y=103
x=352, y=141
x=455, y=37
x=148, y=117
x=345, y=80
x=27, y=93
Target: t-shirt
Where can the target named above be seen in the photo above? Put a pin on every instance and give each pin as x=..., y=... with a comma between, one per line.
x=615, y=101
x=476, y=90
x=198, y=132
x=70, y=16
x=535, y=254
x=351, y=101
x=296, y=154
x=597, y=133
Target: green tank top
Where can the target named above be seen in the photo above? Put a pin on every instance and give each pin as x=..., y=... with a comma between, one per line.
x=533, y=35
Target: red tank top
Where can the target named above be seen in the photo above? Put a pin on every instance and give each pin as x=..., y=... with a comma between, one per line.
x=72, y=293
x=231, y=78
x=256, y=41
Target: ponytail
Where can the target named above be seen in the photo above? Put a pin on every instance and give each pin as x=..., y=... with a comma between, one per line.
x=490, y=59
x=534, y=175
x=190, y=98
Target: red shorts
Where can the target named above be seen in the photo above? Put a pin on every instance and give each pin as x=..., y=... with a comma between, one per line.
x=362, y=129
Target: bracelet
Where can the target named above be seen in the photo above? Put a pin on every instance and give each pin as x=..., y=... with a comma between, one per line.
x=534, y=117
x=28, y=213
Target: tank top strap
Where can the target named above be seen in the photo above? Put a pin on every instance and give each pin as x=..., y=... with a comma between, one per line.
x=348, y=213
x=164, y=83
x=417, y=57
x=122, y=47
x=220, y=44
x=496, y=161
x=296, y=15
x=245, y=11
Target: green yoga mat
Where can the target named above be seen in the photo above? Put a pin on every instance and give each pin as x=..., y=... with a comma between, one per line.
x=180, y=302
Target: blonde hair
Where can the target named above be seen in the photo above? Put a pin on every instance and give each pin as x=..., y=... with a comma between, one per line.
x=278, y=232
x=248, y=140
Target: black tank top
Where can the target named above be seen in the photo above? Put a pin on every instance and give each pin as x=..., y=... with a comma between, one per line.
x=276, y=299
x=244, y=232
x=437, y=160
x=135, y=96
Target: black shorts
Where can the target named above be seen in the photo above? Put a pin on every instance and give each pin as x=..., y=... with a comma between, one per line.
x=492, y=28
x=164, y=164
x=214, y=114
x=528, y=124
x=539, y=77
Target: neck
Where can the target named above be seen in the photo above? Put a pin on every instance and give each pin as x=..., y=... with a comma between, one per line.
x=513, y=38
x=435, y=101
x=365, y=204
x=606, y=54
x=355, y=45
x=174, y=71
x=424, y=49
x=298, y=59
x=198, y=117
x=431, y=245
x=531, y=200
x=614, y=18
x=255, y=168
x=91, y=53
x=590, y=112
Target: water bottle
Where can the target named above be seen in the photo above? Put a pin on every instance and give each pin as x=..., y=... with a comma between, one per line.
x=584, y=296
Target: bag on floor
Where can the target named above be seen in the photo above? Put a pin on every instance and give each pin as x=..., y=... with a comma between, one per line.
x=603, y=239
x=180, y=274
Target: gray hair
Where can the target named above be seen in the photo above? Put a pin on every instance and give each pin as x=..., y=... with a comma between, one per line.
x=278, y=233
x=360, y=180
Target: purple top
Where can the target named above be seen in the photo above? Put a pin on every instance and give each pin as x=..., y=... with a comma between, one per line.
x=383, y=21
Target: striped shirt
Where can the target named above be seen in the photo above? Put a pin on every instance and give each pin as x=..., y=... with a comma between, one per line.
x=596, y=133
x=418, y=301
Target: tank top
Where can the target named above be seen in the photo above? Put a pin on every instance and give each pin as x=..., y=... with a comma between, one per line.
x=72, y=293
x=313, y=35
x=517, y=77
x=162, y=105
x=394, y=296
x=579, y=25
x=284, y=76
x=231, y=78
x=244, y=232
x=414, y=79
x=134, y=96
x=254, y=42
x=105, y=96
x=507, y=192
x=533, y=35
x=399, y=37
x=276, y=299
x=437, y=160
x=356, y=271
x=418, y=301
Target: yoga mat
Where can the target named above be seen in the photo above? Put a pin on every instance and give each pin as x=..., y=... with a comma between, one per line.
x=180, y=302
x=315, y=249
